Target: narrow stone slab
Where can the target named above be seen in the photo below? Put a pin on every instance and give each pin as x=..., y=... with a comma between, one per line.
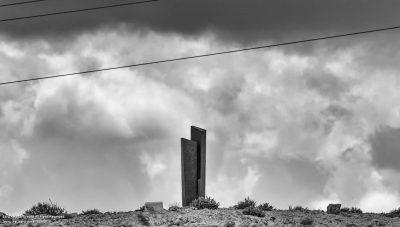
x=154, y=206
x=199, y=135
x=189, y=171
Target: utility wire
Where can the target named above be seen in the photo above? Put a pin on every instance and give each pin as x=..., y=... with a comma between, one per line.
x=20, y=3
x=76, y=10
x=203, y=55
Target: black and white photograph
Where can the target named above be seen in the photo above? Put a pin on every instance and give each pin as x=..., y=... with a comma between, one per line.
x=121, y=113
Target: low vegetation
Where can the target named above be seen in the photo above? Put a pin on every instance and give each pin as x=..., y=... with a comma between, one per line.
x=298, y=208
x=46, y=208
x=142, y=208
x=394, y=213
x=254, y=211
x=345, y=209
x=244, y=204
x=91, y=211
x=353, y=210
x=266, y=207
x=203, y=203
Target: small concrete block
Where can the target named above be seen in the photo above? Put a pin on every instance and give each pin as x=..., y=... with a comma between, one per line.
x=333, y=209
x=154, y=206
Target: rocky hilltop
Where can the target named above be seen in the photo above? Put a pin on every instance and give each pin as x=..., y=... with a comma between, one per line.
x=206, y=217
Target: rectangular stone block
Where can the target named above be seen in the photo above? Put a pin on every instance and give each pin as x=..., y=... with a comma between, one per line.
x=154, y=206
x=189, y=171
x=199, y=135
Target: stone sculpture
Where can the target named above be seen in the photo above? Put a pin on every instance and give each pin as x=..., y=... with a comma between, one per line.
x=193, y=164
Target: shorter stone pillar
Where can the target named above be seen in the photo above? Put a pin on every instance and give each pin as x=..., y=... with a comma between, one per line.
x=189, y=171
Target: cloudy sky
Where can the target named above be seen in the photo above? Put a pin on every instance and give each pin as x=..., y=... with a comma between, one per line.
x=306, y=124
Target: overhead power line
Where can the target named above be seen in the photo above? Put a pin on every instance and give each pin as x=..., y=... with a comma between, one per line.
x=21, y=3
x=76, y=10
x=202, y=55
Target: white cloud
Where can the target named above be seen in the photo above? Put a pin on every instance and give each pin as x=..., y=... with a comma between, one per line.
x=153, y=165
x=380, y=201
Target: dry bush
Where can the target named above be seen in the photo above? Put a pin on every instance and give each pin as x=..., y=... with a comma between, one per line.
x=345, y=209
x=207, y=202
x=45, y=209
x=142, y=208
x=254, y=211
x=298, y=208
x=246, y=203
x=355, y=210
x=91, y=211
x=394, y=213
x=266, y=207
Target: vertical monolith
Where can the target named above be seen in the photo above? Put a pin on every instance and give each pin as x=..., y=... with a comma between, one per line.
x=193, y=158
x=199, y=135
x=189, y=171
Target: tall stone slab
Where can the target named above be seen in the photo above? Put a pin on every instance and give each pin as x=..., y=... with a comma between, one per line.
x=189, y=171
x=199, y=135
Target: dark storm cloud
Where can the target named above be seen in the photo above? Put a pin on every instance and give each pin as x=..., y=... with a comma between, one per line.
x=237, y=20
x=385, y=148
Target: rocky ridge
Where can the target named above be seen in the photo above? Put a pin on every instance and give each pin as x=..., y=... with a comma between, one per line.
x=205, y=217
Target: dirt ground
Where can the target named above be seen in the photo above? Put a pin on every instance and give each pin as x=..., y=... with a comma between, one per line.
x=220, y=217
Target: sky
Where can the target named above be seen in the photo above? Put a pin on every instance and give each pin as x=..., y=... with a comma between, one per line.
x=306, y=124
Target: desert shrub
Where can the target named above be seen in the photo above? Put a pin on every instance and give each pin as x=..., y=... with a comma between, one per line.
x=345, y=209
x=254, y=211
x=45, y=209
x=266, y=207
x=394, y=213
x=298, y=208
x=307, y=221
x=207, y=202
x=246, y=203
x=142, y=208
x=91, y=211
x=355, y=210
